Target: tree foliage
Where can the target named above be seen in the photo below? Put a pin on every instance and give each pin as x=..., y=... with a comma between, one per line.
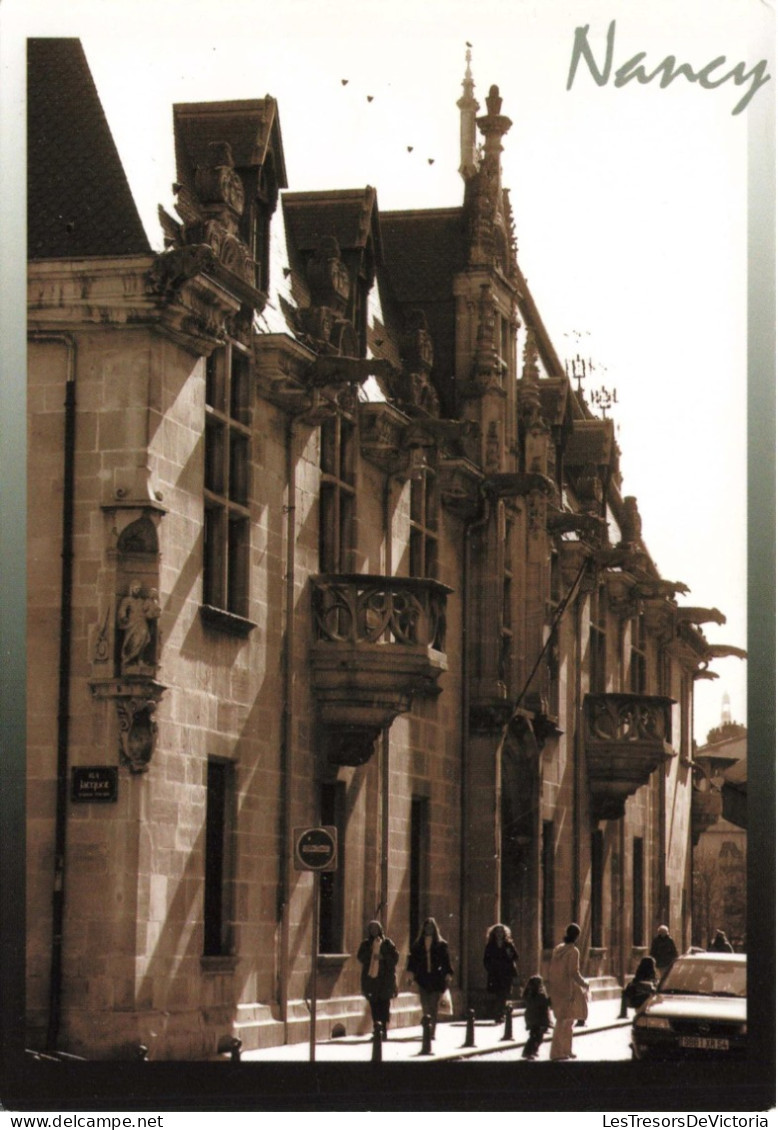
x=725, y=731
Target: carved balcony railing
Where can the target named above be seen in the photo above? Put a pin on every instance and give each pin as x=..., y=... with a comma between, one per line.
x=626, y=736
x=378, y=641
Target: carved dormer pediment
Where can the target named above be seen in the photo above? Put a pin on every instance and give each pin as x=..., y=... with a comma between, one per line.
x=230, y=166
x=334, y=245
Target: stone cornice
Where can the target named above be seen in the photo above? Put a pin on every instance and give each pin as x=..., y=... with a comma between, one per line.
x=177, y=297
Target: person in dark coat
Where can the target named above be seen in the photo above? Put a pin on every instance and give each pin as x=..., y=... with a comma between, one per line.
x=500, y=962
x=378, y=957
x=663, y=950
x=536, y=1015
x=429, y=966
x=720, y=943
x=640, y=988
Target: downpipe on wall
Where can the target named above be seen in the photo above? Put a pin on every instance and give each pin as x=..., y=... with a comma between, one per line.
x=63, y=689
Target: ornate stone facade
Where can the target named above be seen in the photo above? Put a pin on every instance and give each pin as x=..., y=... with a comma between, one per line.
x=363, y=563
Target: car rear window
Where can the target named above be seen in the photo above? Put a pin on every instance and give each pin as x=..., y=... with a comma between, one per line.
x=714, y=978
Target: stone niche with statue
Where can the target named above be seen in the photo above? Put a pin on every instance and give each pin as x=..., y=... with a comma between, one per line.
x=126, y=644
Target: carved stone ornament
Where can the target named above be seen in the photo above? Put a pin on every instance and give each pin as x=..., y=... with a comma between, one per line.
x=136, y=620
x=328, y=277
x=137, y=732
x=136, y=700
x=217, y=182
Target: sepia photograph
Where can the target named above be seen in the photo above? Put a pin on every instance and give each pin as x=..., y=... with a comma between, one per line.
x=388, y=600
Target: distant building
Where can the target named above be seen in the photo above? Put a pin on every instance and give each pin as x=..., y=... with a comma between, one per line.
x=320, y=533
x=720, y=840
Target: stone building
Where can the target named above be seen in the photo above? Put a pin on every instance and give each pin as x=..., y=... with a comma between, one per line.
x=320, y=533
x=720, y=837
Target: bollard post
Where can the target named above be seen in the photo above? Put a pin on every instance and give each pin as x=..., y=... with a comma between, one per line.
x=508, y=1033
x=376, y=1057
x=426, y=1035
x=235, y=1046
x=470, y=1029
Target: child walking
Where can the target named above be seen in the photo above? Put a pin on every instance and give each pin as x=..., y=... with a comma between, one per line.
x=536, y=1015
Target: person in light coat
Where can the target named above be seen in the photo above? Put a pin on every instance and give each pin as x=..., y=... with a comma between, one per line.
x=567, y=989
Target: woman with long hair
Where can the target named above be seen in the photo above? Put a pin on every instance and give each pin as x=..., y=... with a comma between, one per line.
x=378, y=957
x=640, y=988
x=501, y=964
x=430, y=970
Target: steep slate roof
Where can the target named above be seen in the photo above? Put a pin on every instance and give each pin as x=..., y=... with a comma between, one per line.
x=78, y=200
x=251, y=126
x=423, y=251
x=347, y=214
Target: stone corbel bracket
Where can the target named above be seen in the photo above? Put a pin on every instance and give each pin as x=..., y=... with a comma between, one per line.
x=460, y=484
x=136, y=700
x=589, y=526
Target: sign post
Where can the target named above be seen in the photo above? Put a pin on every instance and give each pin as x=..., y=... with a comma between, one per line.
x=316, y=850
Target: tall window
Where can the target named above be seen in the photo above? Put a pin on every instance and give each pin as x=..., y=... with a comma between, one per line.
x=597, y=642
x=638, y=883
x=504, y=344
x=547, y=869
x=419, y=863
x=552, y=652
x=598, y=864
x=337, y=495
x=506, y=624
x=227, y=474
x=217, y=908
x=637, y=660
x=332, y=808
x=424, y=525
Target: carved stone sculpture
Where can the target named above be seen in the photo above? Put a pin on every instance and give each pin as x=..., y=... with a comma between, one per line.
x=136, y=619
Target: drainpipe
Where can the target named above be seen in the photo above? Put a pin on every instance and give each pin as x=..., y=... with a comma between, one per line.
x=470, y=527
x=664, y=901
x=287, y=720
x=577, y=760
x=384, y=892
x=63, y=692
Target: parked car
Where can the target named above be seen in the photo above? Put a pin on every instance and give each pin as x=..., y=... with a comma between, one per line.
x=699, y=1009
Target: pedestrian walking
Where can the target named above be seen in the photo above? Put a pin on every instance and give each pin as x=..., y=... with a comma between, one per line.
x=663, y=950
x=640, y=988
x=720, y=943
x=568, y=991
x=378, y=957
x=501, y=964
x=536, y=1015
x=430, y=970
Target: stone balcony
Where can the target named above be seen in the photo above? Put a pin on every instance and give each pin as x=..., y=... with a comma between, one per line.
x=378, y=641
x=627, y=737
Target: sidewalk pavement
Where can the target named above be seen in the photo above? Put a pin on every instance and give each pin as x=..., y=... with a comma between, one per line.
x=406, y=1043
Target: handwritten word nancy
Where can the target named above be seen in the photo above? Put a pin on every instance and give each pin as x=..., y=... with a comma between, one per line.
x=667, y=69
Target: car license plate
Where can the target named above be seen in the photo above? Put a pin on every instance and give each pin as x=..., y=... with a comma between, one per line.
x=704, y=1043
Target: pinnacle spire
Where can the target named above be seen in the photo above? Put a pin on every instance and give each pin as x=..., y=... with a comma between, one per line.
x=468, y=109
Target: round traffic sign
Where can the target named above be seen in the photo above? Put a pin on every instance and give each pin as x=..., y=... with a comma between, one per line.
x=316, y=849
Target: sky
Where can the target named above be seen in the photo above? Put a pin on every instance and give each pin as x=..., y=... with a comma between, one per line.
x=629, y=199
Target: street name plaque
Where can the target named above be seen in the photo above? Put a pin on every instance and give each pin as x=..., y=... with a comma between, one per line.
x=94, y=783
